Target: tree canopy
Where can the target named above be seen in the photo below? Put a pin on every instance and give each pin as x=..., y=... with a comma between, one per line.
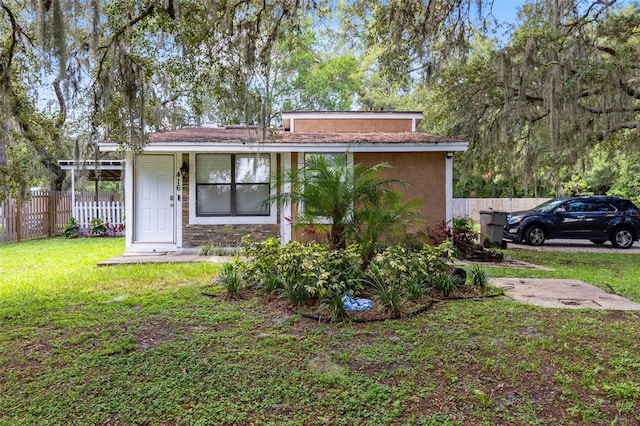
x=532, y=103
x=566, y=83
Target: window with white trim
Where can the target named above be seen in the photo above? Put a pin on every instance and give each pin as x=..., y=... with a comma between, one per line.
x=232, y=184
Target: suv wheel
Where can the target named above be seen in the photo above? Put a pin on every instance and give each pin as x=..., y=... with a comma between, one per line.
x=622, y=238
x=535, y=235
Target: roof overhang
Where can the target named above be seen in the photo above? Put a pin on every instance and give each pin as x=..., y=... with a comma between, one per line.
x=164, y=147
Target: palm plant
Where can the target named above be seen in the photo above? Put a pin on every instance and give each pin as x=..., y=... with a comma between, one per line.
x=356, y=203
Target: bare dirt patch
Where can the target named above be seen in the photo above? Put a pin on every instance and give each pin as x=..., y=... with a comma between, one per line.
x=154, y=334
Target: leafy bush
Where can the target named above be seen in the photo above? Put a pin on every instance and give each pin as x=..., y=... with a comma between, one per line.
x=302, y=271
x=446, y=282
x=465, y=235
x=400, y=268
x=97, y=226
x=269, y=258
x=72, y=228
x=310, y=273
x=462, y=233
x=335, y=305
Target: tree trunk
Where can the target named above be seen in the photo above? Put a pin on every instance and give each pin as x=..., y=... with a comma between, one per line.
x=3, y=155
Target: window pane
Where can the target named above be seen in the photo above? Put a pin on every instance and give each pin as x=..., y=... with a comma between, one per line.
x=252, y=168
x=213, y=200
x=249, y=199
x=213, y=168
x=599, y=206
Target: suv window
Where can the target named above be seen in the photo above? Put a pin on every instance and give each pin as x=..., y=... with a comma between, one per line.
x=628, y=207
x=601, y=206
x=576, y=206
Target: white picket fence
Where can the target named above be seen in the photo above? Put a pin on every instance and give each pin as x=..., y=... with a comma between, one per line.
x=111, y=212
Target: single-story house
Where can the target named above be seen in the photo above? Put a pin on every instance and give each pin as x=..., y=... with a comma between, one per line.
x=194, y=186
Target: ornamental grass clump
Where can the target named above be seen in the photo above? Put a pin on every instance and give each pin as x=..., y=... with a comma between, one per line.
x=387, y=292
x=479, y=277
x=445, y=282
x=231, y=277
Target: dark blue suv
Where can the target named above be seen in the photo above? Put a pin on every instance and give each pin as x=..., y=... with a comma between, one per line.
x=597, y=218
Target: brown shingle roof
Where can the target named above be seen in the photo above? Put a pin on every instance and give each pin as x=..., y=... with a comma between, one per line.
x=253, y=134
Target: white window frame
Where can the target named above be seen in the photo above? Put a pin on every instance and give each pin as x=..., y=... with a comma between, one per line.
x=194, y=219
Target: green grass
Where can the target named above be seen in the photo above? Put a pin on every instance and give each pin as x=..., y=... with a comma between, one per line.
x=140, y=345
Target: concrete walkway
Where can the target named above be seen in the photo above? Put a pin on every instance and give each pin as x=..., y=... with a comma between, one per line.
x=557, y=293
x=180, y=256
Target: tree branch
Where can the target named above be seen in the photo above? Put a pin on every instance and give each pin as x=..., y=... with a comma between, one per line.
x=61, y=102
x=618, y=127
x=608, y=110
x=148, y=11
x=15, y=29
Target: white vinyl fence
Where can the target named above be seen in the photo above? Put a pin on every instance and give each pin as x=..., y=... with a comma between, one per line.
x=471, y=207
x=111, y=212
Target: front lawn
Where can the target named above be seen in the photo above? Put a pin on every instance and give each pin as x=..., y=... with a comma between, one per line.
x=141, y=345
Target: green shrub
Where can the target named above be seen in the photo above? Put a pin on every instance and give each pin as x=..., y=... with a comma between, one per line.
x=399, y=273
x=334, y=272
x=479, y=277
x=97, y=227
x=303, y=272
x=310, y=273
x=72, y=228
x=445, y=282
x=462, y=233
x=272, y=282
x=387, y=292
x=269, y=258
x=295, y=291
x=335, y=305
x=231, y=277
x=465, y=235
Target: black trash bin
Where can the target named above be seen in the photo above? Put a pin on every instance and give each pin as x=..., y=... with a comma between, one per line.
x=492, y=223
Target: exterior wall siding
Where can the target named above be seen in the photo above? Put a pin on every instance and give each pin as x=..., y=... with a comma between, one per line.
x=424, y=177
x=352, y=125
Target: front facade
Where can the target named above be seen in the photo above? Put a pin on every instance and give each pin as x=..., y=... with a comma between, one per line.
x=206, y=185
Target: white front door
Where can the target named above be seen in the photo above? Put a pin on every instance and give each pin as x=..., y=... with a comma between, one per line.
x=153, y=201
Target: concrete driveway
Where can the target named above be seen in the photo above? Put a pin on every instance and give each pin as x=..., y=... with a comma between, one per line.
x=559, y=293
x=572, y=294
x=575, y=246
